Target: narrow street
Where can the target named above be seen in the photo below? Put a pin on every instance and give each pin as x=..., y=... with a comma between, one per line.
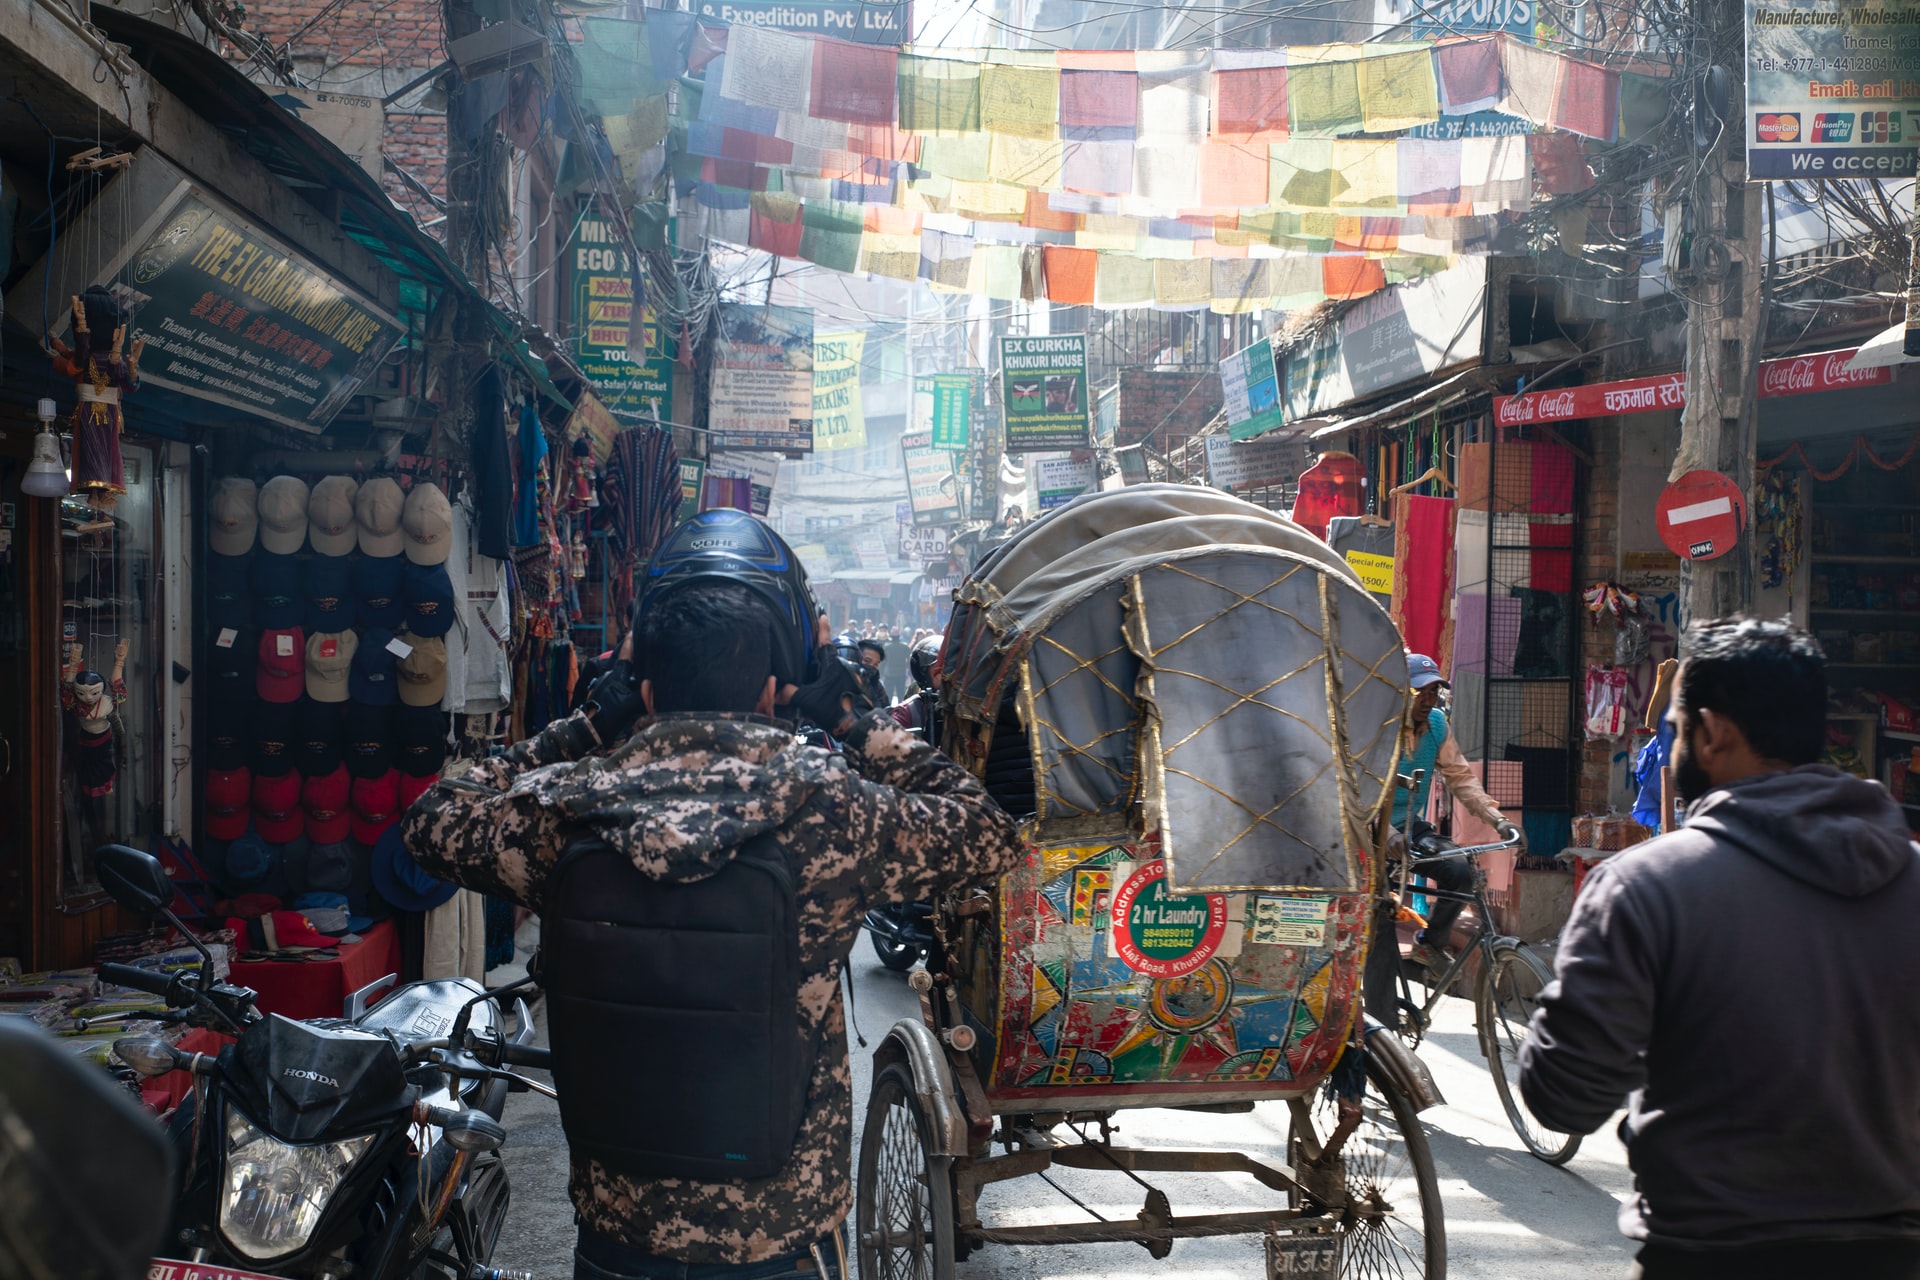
x=1509, y=1217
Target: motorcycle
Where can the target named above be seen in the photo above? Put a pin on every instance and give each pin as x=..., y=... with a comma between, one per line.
x=363, y=1146
x=902, y=932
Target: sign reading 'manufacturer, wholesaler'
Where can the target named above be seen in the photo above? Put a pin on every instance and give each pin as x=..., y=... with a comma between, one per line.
x=1833, y=88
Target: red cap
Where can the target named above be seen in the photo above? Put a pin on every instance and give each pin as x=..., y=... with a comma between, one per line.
x=276, y=808
x=282, y=673
x=279, y=931
x=412, y=789
x=229, y=800
x=325, y=798
x=376, y=805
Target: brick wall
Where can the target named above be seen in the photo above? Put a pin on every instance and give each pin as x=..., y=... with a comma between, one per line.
x=1172, y=404
x=1599, y=562
x=417, y=142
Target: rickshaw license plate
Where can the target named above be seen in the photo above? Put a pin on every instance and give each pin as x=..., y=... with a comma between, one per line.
x=174, y=1269
x=1303, y=1257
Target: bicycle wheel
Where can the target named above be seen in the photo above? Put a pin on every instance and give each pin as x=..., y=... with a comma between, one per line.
x=1395, y=1225
x=1505, y=999
x=903, y=1197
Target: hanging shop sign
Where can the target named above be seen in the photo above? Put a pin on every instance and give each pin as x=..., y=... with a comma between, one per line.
x=1250, y=391
x=1043, y=392
x=1407, y=333
x=1700, y=515
x=1251, y=464
x=933, y=490
x=591, y=419
x=760, y=470
x=864, y=21
x=1785, y=376
x=947, y=410
x=1060, y=478
x=1133, y=463
x=629, y=364
x=839, y=420
x=762, y=388
x=231, y=315
x=1831, y=89
x=693, y=472
x=923, y=543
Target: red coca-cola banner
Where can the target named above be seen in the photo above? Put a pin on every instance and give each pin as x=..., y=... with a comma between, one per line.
x=1788, y=376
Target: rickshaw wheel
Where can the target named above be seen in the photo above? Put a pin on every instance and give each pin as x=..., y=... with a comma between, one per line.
x=903, y=1204
x=1507, y=997
x=1393, y=1224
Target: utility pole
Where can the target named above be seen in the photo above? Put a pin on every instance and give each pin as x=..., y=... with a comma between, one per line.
x=1725, y=326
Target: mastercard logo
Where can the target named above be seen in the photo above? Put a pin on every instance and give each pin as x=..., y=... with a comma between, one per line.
x=1777, y=127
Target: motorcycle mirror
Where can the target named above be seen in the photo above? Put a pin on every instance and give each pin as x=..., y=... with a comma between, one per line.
x=147, y=1055
x=133, y=879
x=473, y=1132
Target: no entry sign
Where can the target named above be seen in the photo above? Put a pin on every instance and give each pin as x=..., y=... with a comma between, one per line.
x=1700, y=515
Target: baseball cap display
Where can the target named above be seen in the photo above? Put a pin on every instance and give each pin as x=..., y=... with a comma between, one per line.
x=283, y=665
x=276, y=728
x=234, y=517
x=428, y=524
x=277, y=602
x=1423, y=671
x=277, y=815
x=376, y=591
x=228, y=730
x=372, y=678
x=229, y=795
x=376, y=509
x=326, y=801
x=428, y=592
x=283, y=515
x=329, y=594
x=330, y=863
x=329, y=655
x=401, y=881
x=230, y=668
x=369, y=739
x=376, y=805
x=423, y=672
x=420, y=739
x=229, y=596
x=251, y=860
x=332, y=527
x=321, y=732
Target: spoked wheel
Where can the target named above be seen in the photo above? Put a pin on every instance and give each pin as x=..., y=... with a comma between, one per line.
x=1507, y=996
x=903, y=1208
x=897, y=956
x=1411, y=1024
x=1392, y=1221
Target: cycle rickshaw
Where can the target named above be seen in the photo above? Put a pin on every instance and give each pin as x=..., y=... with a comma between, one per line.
x=1196, y=708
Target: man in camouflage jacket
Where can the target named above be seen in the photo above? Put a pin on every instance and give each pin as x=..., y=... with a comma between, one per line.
x=889, y=819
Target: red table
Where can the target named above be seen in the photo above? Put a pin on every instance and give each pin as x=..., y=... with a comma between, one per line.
x=319, y=988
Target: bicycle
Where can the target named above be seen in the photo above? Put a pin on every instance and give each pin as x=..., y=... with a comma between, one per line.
x=1505, y=994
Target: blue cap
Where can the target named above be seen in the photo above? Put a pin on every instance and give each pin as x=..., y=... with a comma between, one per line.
x=371, y=679
x=401, y=881
x=428, y=592
x=1423, y=671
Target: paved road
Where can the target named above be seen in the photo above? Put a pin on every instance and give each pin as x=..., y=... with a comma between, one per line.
x=1509, y=1217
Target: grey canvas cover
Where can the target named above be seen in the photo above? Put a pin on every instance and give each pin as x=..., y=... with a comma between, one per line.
x=1187, y=664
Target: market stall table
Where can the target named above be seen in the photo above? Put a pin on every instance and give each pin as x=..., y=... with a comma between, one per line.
x=308, y=988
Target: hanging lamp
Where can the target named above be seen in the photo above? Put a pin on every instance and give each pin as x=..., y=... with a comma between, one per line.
x=46, y=475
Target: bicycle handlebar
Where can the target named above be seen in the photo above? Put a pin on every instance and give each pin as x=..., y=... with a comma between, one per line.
x=1464, y=851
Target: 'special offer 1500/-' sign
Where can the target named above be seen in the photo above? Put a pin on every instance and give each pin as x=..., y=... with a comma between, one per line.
x=1833, y=88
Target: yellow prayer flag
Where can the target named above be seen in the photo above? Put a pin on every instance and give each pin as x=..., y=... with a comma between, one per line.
x=1024, y=101
x=1034, y=163
x=1398, y=92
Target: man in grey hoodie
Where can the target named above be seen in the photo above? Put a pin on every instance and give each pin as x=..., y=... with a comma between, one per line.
x=1752, y=980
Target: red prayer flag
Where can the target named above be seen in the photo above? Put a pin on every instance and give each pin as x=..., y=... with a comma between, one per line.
x=1099, y=99
x=1070, y=274
x=853, y=82
x=1347, y=278
x=782, y=239
x=1250, y=105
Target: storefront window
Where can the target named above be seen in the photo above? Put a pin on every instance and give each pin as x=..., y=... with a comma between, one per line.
x=109, y=734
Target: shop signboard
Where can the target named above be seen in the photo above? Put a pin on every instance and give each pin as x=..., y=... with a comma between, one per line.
x=231, y=315
x=839, y=420
x=1407, y=333
x=591, y=420
x=1250, y=391
x=1833, y=89
x=1253, y=464
x=350, y=122
x=1060, y=478
x=693, y=473
x=932, y=487
x=629, y=364
x=760, y=470
x=923, y=543
x=952, y=416
x=1043, y=392
x=762, y=388
x=864, y=21
x=1785, y=376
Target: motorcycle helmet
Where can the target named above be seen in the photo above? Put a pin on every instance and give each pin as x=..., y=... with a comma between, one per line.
x=920, y=662
x=725, y=545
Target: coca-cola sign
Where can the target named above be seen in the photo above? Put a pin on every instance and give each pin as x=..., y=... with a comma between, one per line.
x=1788, y=376
x=1799, y=375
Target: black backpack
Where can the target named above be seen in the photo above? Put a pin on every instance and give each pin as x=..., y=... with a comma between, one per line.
x=674, y=1014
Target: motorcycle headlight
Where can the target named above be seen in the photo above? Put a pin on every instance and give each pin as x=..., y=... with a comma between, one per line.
x=275, y=1192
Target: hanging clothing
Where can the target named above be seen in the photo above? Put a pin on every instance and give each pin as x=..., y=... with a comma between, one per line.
x=1333, y=486
x=532, y=457
x=1656, y=755
x=456, y=939
x=492, y=470
x=478, y=677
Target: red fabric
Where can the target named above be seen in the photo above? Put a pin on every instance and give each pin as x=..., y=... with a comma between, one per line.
x=853, y=82
x=782, y=239
x=1041, y=215
x=1552, y=480
x=1333, y=486
x=1423, y=573
x=1549, y=570
x=1251, y=106
x=1099, y=99
x=1559, y=164
x=1468, y=70
x=1233, y=174
x=1070, y=275
x=319, y=988
x=1588, y=100
x=1347, y=278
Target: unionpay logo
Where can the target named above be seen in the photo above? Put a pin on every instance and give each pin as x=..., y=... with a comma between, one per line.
x=1777, y=126
x=1833, y=126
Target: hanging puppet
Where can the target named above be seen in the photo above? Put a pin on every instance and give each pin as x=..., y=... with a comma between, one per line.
x=102, y=376
x=91, y=699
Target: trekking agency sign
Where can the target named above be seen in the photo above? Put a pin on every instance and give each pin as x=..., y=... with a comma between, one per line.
x=1833, y=88
x=933, y=491
x=762, y=389
x=865, y=21
x=1250, y=389
x=1043, y=392
x=839, y=421
x=628, y=364
x=1254, y=463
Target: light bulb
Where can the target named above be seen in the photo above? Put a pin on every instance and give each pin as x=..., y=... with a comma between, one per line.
x=46, y=475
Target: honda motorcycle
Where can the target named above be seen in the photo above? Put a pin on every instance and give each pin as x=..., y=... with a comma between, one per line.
x=363, y=1146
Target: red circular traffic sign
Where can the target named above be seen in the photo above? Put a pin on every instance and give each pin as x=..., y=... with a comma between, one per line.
x=1700, y=515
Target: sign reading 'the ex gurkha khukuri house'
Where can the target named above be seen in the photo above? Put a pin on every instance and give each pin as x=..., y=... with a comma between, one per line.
x=230, y=315
x=1043, y=392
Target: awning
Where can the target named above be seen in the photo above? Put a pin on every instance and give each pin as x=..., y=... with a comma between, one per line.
x=903, y=577
x=1883, y=350
x=1479, y=377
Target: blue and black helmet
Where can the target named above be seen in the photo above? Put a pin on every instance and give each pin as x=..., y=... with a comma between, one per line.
x=725, y=545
